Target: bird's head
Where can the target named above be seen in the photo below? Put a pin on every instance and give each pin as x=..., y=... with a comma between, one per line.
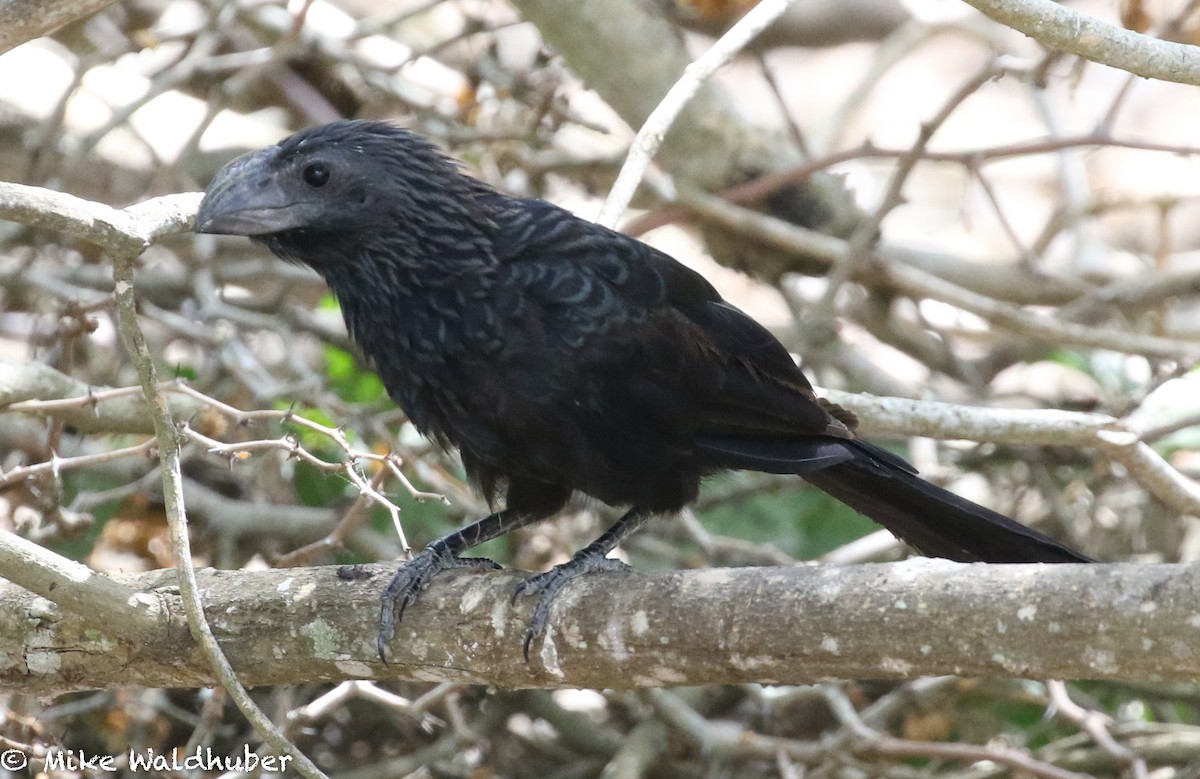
x=344, y=177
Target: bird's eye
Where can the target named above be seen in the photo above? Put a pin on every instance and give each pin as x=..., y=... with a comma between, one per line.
x=316, y=174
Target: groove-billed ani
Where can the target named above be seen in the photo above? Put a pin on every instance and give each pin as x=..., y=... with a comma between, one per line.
x=559, y=356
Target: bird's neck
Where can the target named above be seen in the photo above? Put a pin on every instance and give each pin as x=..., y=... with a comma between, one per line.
x=416, y=309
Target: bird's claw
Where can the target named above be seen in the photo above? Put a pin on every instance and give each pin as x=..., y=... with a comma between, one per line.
x=547, y=586
x=412, y=578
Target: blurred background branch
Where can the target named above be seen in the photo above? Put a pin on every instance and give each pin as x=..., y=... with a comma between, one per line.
x=24, y=20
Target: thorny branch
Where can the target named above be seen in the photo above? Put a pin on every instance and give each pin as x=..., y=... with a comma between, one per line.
x=125, y=235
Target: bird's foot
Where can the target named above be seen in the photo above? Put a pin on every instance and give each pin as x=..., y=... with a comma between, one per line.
x=411, y=580
x=547, y=586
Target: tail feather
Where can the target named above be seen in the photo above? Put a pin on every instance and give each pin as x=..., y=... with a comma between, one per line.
x=933, y=520
x=887, y=489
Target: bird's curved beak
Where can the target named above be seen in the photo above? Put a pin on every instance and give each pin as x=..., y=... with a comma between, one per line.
x=244, y=198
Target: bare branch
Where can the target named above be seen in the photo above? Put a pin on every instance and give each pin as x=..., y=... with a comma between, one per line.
x=78, y=589
x=1115, y=438
x=1059, y=27
x=711, y=145
x=654, y=130
x=796, y=624
x=39, y=390
x=125, y=250
x=125, y=234
x=24, y=20
x=127, y=231
x=921, y=284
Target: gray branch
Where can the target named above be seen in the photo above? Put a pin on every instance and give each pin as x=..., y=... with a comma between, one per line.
x=1059, y=27
x=121, y=232
x=78, y=588
x=787, y=625
x=709, y=144
x=24, y=20
x=125, y=234
x=120, y=413
x=108, y=410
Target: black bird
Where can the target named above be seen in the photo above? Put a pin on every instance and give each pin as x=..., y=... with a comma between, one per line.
x=559, y=356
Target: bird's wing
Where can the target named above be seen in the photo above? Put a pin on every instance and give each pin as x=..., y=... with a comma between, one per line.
x=740, y=383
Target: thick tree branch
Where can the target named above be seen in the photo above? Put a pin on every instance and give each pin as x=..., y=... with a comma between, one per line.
x=789, y=625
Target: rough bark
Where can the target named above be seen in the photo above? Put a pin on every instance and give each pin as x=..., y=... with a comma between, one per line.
x=788, y=625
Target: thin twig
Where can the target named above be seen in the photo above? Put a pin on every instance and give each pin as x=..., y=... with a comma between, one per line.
x=654, y=129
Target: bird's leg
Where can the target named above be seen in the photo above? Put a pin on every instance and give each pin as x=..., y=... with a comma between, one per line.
x=441, y=555
x=593, y=557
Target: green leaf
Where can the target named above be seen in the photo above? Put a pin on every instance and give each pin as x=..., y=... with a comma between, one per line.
x=349, y=380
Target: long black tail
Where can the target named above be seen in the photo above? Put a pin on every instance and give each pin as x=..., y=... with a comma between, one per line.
x=933, y=520
x=887, y=489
